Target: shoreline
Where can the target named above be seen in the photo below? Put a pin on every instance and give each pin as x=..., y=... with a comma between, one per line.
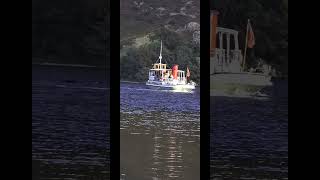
x=60, y=64
x=56, y=62
x=132, y=82
x=68, y=65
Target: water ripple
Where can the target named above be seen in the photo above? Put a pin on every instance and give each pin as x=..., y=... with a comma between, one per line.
x=160, y=131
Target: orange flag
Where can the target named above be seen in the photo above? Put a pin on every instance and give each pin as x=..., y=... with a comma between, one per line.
x=251, y=38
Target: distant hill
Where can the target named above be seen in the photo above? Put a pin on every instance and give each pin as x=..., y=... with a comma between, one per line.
x=140, y=17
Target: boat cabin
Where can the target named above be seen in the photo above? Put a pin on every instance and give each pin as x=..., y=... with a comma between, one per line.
x=159, y=72
x=159, y=66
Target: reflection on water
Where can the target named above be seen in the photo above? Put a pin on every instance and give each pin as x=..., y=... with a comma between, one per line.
x=159, y=134
x=249, y=136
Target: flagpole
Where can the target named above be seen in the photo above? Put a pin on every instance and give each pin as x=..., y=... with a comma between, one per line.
x=245, y=47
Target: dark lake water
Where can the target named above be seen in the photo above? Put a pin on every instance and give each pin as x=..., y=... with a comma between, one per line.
x=249, y=136
x=159, y=133
x=70, y=123
x=159, y=130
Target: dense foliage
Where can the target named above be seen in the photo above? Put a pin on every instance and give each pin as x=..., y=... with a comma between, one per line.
x=177, y=49
x=269, y=19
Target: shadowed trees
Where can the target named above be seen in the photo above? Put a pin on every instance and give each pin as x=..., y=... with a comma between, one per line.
x=72, y=31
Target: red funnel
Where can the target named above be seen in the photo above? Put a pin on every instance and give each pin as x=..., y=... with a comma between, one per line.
x=175, y=71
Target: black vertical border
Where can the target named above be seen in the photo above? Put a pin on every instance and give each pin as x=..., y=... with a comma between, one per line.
x=205, y=89
x=114, y=8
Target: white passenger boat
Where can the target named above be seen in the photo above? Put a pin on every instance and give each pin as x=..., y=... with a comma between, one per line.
x=163, y=77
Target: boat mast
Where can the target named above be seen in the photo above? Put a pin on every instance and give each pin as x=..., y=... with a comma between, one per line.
x=160, y=56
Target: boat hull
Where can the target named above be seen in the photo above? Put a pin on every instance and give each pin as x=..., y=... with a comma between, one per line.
x=172, y=87
x=238, y=83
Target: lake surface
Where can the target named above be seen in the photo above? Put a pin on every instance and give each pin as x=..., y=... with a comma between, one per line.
x=70, y=123
x=159, y=133
x=249, y=136
x=159, y=130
